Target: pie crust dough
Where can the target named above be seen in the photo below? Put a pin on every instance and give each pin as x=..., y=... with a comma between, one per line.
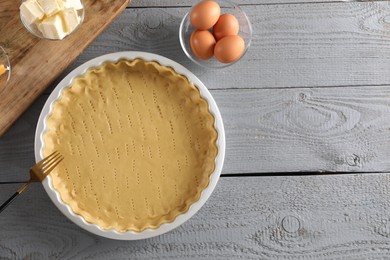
x=139, y=144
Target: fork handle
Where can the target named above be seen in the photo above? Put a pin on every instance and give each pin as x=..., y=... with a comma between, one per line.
x=5, y=204
x=13, y=197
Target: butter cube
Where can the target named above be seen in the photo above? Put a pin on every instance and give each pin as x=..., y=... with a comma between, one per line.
x=31, y=11
x=52, y=27
x=70, y=19
x=61, y=4
x=50, y=7
x=3, y=69
x=76, y=4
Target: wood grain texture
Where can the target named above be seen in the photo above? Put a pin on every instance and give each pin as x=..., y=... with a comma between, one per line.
x=307, y=217
x=186, y=3
x=17, y=145
x=305, y=45
x=270, y=130
x=326, y=129
x=189, y=3
x=275, y=122
x=35, y=62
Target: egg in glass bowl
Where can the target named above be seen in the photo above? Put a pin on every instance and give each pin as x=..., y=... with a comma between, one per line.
x=215, y=33
x=52, y=19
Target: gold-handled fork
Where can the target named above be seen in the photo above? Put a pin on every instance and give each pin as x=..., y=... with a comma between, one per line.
x=37, y=174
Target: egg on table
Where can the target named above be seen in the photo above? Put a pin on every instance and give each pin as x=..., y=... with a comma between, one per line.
x=205, y=14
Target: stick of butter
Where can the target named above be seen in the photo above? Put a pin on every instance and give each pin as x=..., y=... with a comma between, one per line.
x=55, y=19
x=50, y=7
x=76, y=4
x=70, y=19
x=52, y=27
x=2, y=69
x=31, y=11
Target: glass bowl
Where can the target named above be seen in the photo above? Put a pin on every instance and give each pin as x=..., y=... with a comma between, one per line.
x=33, y=28
x=227, y=7
x=4, y=60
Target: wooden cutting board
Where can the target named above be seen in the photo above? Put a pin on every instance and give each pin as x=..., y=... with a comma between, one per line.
x=35, y=62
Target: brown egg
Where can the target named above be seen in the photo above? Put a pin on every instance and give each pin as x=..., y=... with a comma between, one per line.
x=202, y=44
x=229, y=49
x=227, y=25
x=204, y=15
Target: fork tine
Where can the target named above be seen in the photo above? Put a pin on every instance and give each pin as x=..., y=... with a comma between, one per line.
x=49, y=164
x=50, y=161
x=46, y=171
x=46, y=158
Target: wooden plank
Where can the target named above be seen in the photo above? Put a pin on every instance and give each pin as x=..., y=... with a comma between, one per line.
x=36, y=62
x=306, y=217
x=305, y=45
x=189, y=3
x=17, y=145
x=183, y=3
x=314, y=130
x=268, y=130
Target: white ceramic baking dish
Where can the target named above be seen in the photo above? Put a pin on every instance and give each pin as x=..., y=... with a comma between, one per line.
x=130, y=235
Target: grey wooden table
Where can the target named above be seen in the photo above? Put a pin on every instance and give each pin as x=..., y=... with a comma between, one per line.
x=307, y=118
